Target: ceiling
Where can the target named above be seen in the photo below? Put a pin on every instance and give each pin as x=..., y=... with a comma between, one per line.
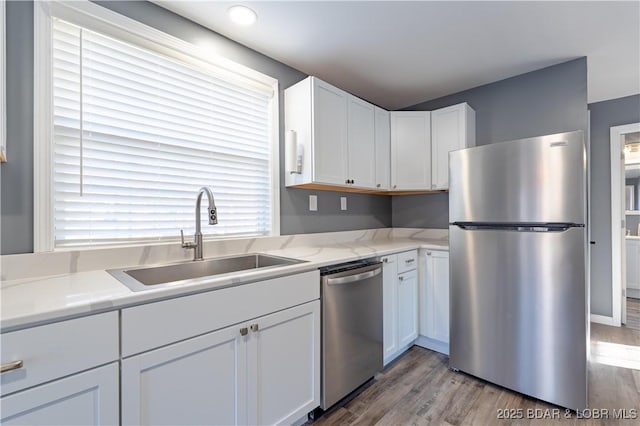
x=396, y=54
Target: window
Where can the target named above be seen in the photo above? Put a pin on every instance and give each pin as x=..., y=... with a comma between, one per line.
x=136, y=132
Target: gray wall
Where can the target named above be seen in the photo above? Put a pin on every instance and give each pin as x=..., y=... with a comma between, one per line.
x=16, y=183
x=550, y=100
x=365, y=211
x=604, y=115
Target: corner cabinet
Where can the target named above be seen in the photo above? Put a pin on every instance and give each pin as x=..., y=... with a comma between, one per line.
x=400, y=303
x=69, y=373
x=452, y=128
x=337, y=141
x=434, y=300
x=334, y=135
x=410, y=150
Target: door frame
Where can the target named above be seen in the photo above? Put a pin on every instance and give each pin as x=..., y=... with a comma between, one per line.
x=617, y=257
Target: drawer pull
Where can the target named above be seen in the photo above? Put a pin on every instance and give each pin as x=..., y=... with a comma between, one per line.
x=11, y=366
x=409, y=261
x=254, y=327
x=243, y=331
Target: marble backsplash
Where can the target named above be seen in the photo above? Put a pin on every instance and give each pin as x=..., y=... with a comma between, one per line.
x=19, y=266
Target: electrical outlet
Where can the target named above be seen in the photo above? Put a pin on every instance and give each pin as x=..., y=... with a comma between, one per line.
x=313, y=203
x=343, y=203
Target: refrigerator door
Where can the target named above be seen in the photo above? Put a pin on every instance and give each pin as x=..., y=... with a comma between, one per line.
x=537, y=180
x=518, y=311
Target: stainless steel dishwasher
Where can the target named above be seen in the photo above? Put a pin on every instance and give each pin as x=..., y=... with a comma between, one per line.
x=351, y=327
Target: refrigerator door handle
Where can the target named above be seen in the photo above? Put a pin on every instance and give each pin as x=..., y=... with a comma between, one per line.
x=518, y=227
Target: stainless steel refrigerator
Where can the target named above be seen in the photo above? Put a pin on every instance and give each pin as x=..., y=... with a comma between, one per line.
x=518, y=250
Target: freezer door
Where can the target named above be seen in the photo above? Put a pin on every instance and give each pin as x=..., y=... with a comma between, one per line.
x=529, y=180
x=519, y=311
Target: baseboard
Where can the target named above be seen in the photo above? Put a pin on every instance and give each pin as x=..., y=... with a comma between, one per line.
x=601, y=319
x=632, y=292
x=397, y=354
x=434, y=345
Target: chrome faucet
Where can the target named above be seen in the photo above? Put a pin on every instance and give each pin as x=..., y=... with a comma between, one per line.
x=196, y=244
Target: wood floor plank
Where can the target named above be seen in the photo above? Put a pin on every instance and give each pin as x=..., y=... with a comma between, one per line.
x=419, y=389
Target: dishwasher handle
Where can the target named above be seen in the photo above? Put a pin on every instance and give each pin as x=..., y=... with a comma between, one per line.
x=351, y=278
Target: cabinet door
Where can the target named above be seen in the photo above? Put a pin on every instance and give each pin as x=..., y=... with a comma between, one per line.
x=330, y=154
x=410, y=150
x=284, y=365
x=407, y=308
x=383, y=148
x=447, y=134
x=361, y=143
x=437, y=296
x=198, y=381
x=390, y=307
x=633, y=264
x=89, y=398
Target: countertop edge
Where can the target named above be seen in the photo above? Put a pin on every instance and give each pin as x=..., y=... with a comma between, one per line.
x=122, y=297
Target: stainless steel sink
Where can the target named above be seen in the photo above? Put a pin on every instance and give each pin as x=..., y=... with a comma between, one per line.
x=141, y=278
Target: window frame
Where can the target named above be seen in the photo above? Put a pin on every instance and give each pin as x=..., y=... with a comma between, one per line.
x=105, y=21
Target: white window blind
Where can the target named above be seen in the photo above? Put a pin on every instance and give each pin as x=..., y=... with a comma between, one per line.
x=136, y=134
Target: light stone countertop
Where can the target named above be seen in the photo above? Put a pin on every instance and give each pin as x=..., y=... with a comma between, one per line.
x=632, y=237
x=37, y=300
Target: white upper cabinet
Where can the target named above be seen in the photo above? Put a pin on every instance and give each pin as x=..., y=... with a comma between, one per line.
x=330, y=129
x=335, y=140
x=452, y=128
x=410, y=150
x=383, y=148
x=361, y=143
x=334, y=134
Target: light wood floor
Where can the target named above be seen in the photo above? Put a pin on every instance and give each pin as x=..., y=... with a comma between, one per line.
x=419, y=389
x=633, y=313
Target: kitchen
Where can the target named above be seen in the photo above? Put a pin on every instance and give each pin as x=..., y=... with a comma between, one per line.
x=314, y=225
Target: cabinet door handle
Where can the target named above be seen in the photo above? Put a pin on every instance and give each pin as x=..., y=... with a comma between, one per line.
x=428, y=253
x=254, y=327
x=409, y=261
x=346, y=181
x=378, y=185
x=401, y=278
x=244, y=331
x=395, y=186
x=385, y=260
x=10, y=366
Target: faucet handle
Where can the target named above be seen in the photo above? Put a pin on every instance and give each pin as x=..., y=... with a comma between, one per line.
x=213, y=216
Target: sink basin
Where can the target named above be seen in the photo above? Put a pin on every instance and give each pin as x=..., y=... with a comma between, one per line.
x=141, y=278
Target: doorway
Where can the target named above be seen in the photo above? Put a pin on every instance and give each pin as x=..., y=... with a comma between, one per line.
x=625, y=224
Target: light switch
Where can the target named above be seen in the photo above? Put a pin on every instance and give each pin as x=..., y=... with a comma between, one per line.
x=343, y=203
x=313, y=203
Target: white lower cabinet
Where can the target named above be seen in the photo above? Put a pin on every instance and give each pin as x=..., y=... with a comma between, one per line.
x=284, y=365
x=88, y=398
x=407, y=308
x=434, y=300
x=389, y=307
x=199, y=381
x=400, y=303
x=265, y=371
x=61, y=373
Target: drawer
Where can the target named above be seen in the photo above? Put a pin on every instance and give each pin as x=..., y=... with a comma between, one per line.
x=157, y=324
x=407, y=261
x=56, y=350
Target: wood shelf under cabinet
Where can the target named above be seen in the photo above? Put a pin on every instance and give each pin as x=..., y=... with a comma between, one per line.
x=336, y=188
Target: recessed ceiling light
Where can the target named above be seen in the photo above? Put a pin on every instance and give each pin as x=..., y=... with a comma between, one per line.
x=242, y=15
